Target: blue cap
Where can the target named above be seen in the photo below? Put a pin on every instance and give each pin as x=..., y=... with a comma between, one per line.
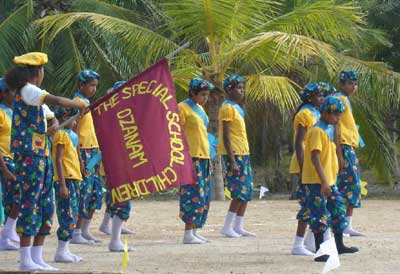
x=3, y=84
x=118, y=84
x=310, y=89
x=327, y=88
x=198, y=84
x=348, y=75
x=232, y=80
x=333, y=105
x=87, y=75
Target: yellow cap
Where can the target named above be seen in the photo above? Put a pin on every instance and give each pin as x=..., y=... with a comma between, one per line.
x=31, y=59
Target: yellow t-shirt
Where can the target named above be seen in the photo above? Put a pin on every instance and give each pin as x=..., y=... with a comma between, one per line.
x=238, y=134
x=306, y=119
x=195, y=131
x=86, y=133
x=70, y=160
x=347, y=125
x=5, y=134
x=318, y=139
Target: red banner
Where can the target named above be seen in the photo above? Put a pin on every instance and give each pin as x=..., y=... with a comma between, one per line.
x=141, y=138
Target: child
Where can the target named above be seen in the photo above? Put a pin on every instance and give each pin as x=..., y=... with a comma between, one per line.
x=327, y=88
x=307, y=115
x=30, y=147
x=195, y=198
x=234, y=148
x=91, y=189
x=67, y=176
x=349, y=138
x=123, y=209
x=9, y=186
x=320, y=170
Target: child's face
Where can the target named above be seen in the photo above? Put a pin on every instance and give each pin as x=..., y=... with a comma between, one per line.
x=8, y=96
x=70, y=125
x=331, y=118
x=40, y=76
x=237, y=92
x=89, y=88
x=317, y=99
x=350, y=87
x=201, y=97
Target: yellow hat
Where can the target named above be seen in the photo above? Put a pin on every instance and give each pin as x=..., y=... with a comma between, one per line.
x=31, y=59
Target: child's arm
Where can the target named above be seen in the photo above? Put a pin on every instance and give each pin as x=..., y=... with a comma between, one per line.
x=5, y=171
x=339, y=151
x=298, y=146
x=315, y=158
x=65, y=102
x=53, y=125
x=60, y=171
x=226, y=133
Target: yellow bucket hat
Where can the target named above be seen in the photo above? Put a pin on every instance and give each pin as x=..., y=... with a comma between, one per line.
x=31, y=59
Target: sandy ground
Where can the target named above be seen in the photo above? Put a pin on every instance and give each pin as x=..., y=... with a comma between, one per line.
x=158, y=247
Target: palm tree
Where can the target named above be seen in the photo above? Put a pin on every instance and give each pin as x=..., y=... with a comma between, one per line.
x=267, y=41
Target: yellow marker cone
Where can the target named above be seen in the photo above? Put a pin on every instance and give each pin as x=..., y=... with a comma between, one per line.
x=227, y=193
x=125, y=257
x=364, y=190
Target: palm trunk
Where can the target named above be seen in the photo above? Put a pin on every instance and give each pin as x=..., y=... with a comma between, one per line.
x=217, y=177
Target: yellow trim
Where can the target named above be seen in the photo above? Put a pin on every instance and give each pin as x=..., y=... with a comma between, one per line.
x=43, y=97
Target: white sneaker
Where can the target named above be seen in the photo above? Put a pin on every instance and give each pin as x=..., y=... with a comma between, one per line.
x=63, y=257
x=230, y=233
x=245, y=233
x=302, y=251
x=6, y=244
x=352, y=232
x=78, y=239
x=125, y=230
x=118, y=247
x=105, y=229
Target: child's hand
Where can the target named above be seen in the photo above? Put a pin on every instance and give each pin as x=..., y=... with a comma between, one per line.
x=9, y=176
x=64, y=193
x=326, y=189
x=235, y=168
x=83, y=109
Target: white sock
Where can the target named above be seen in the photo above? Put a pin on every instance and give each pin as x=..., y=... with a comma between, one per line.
x=9, y=230
x=189, y=238
x=238, y=228
x=78, y=239
x=116, y=243
x=349, y=219
x=76, y=257
x=37, y=257
x=62, y=255
x=195, y=234
x=299, y=248
x=104, y=225
x=227, y=229
x=85, y=230
x=25, y=261
x=349, y=230
x=309, y=241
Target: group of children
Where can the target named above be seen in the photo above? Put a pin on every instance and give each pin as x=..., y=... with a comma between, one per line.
x=325, y=166
x=44, y=151
x=47, y=156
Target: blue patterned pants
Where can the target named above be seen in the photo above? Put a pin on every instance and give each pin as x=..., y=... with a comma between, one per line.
x=67, y=209
x=349, y=179
x=122, y=210
x=195, y=199
x=325, y=211
x=301, y=197
x=10, y=189
x=240, y=186
x=91, y=188
x=34, y=173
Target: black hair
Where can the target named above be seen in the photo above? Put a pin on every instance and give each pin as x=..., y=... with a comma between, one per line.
x=17, y=77
x=60, y=111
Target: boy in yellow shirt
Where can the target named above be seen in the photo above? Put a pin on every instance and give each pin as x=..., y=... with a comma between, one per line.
x=234, y=148
x=91, y=189
x=67, y=176
x=9, y=186
x=349, y=139
x=320, y=170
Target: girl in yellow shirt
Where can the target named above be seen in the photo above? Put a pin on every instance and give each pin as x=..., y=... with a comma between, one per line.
x=67, y=176
x=9, y=186
x=349, y=139
x=234, y=148
x=319, y=173
x=306, y=116
x=195, y=198
x=91, y=189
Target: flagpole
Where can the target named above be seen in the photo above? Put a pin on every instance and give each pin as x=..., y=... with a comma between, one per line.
x=173, y=53
x=69, y=120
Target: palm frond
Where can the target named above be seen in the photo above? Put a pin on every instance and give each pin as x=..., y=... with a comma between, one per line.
x=14, y=34
x=279, y=90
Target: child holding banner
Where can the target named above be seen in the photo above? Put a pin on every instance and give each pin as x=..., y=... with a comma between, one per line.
x=306, y=116
x=30, y=147
x=91, y=189
x=349, y=138
x=234, y=148
x=123, y=211
x=319, y=175
x=9, y=186
x=195, y=198
x=67, y=176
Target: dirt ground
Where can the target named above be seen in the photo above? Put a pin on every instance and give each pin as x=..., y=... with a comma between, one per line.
x=159, y=232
